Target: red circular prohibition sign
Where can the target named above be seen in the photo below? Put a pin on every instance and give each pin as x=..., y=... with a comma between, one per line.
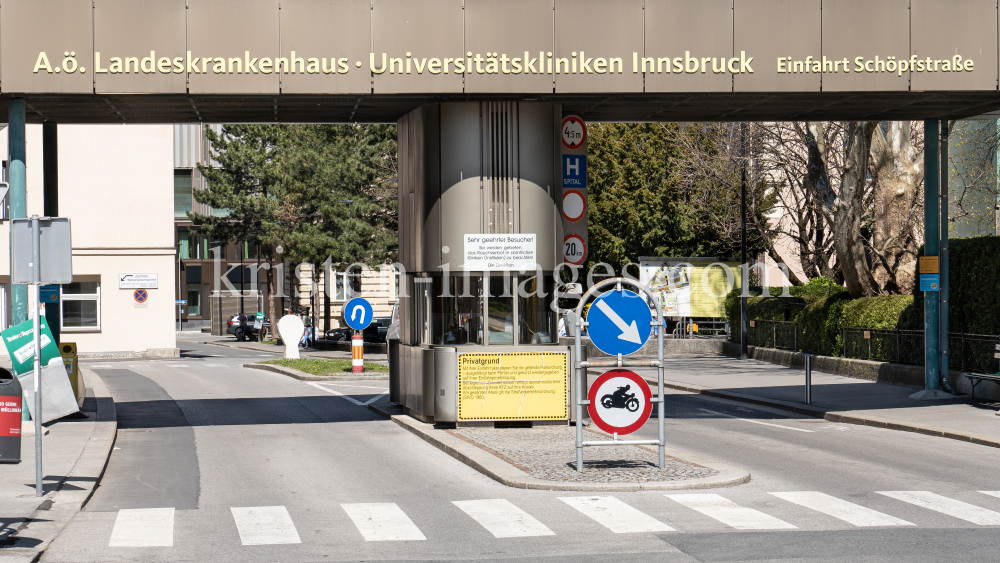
x=639, y=386
x=583, y=126
x=140, y=295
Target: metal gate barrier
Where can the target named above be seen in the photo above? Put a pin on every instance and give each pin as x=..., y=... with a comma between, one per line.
x=582, y=366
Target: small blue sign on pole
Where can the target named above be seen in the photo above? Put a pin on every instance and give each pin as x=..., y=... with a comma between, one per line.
x=358, y=313
x=619, y=322
x=574, y=171
x=181, y=302
x=930, y=282
x=49, y=293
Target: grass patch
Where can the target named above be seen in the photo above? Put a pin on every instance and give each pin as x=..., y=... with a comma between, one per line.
x=319, y=366
x=270, y=342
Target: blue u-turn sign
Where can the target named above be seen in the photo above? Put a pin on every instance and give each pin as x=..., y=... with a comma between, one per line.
x=358, y=313
x=619, y=322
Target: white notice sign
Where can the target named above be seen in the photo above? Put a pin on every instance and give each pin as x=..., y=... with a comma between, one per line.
x=499, y=252
x=137, y=281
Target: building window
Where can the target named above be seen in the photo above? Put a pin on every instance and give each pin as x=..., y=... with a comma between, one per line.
x=340, y=286
x=194, y=303
x=182, y=193
x=81, y=306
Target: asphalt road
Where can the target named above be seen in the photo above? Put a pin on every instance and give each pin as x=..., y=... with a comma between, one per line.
x=221, y=463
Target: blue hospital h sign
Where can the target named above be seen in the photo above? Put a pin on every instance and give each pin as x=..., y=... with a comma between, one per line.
x=574, y=171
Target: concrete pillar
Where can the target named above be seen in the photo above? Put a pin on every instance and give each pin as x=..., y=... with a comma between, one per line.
x=17, y=179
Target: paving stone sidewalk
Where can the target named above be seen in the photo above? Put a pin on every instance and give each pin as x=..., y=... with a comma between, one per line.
x=549, y=452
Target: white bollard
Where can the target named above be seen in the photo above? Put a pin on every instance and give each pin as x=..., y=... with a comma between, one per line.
x=291, y=329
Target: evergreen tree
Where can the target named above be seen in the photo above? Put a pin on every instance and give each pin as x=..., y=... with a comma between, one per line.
x=315, y=191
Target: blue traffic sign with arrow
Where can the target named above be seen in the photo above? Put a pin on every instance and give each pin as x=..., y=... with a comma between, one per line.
x=619, y=322
x=358, y=313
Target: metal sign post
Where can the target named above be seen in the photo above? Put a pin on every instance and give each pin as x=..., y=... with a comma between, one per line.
x=41, y=253
x=582, y=366
x=36, y=235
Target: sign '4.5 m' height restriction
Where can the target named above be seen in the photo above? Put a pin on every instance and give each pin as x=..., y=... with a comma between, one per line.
x=574, y=132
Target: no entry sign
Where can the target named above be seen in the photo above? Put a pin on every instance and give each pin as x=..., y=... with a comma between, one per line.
x=574, y=205
x=620, y=401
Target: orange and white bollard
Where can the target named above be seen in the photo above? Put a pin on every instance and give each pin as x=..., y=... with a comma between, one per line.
x=357, y=354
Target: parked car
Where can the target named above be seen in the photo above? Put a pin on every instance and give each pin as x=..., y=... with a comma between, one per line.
x=393, y=332
x=339, y=334
x=233, y=327
x=377, y=330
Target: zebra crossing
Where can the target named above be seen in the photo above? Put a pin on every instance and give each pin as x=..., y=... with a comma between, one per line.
x=386, y=521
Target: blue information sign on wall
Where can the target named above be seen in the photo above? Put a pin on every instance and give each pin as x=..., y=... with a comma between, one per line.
x=930, y=282
x=574, y=171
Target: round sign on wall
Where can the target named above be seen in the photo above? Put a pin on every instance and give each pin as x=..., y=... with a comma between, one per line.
x=619, y=401
x=140, y=295
x=574, y=250
x=574, y=205
x=574, y=132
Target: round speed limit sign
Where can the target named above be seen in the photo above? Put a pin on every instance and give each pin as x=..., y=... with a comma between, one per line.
x=574, y=250
x=574, y=132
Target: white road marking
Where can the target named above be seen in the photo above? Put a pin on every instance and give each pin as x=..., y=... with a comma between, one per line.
x=730, y=513
x=344, y=396
x=102, y=366
x=216, y=365
x=143, y=527
x=991, y=493
x=348, y=385
x=756, y=421
x=841, y=509
x=382, y=522
x=502, y=519
x=265, y=525
x=615, y=515
x=945, y=505
x=177, y=365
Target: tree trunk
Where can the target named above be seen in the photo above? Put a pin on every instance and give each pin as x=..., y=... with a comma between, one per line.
x=899, y=172
x=844, y=210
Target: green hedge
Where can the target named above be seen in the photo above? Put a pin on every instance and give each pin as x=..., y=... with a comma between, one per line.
x=823, y=313
x=823, y=308
x=974, y=286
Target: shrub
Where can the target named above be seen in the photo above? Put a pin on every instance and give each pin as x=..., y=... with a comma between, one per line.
x=974, y=286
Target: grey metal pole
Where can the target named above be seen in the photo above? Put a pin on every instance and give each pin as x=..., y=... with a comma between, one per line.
x=943, y=265
x=660, y=407
x=37, y=414
x=932, y=177
x=809, y=374
x=578, y=394
x=743, y=247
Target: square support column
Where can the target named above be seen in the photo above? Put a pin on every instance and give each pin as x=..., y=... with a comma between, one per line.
x=17, y=179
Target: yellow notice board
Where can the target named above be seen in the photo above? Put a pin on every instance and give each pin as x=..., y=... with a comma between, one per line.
x=512, y=385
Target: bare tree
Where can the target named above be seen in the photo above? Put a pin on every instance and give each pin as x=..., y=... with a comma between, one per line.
x=897, y=172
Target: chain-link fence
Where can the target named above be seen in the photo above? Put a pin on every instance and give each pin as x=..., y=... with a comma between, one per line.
x=967, y=352
x=774, y=334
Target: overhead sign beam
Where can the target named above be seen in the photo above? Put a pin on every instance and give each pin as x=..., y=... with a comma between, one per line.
x=184, y=57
